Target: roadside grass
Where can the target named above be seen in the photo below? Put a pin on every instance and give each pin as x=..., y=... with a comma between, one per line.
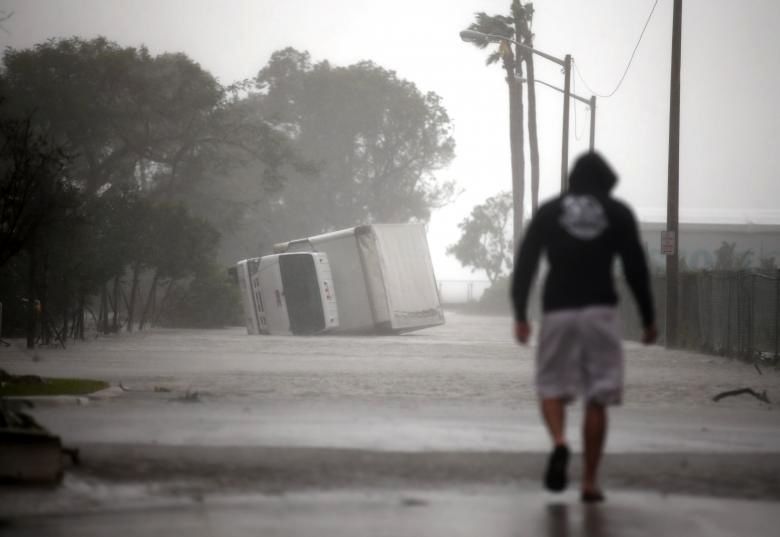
x=51, y=386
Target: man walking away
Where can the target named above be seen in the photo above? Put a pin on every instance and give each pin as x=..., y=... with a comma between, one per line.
x=579, y=349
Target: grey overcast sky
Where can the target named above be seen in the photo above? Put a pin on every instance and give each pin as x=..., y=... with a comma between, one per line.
x=730, y=124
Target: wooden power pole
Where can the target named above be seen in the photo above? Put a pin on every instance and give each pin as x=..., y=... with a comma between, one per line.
x=673, y=193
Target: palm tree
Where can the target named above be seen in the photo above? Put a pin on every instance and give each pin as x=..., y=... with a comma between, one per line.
x=512, y=64
x=523, y=16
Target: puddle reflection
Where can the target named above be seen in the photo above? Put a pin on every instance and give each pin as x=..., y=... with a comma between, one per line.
x=563, y=520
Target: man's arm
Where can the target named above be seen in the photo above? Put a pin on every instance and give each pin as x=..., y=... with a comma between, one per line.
x=526, y=263
x=637, y=275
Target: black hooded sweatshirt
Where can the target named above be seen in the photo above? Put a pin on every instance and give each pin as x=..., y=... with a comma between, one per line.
x=581, y=232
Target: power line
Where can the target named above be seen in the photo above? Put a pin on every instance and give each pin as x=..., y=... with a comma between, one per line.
x=628, y=66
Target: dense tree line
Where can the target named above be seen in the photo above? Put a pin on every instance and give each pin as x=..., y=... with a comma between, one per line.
x=370, y=144
x=130, y=180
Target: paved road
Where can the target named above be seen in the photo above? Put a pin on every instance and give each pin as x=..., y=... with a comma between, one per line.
x=215, y=415
x=500, y=512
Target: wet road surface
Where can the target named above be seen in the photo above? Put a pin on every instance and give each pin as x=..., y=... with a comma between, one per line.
x=484, y=512
x=220, y=433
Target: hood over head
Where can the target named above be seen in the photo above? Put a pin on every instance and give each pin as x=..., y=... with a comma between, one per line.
x=592, y=175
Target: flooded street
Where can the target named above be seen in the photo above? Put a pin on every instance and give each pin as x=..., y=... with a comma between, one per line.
x=288, y=434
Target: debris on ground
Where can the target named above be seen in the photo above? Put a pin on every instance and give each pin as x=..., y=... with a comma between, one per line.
x=750, y=391
x=190, y=396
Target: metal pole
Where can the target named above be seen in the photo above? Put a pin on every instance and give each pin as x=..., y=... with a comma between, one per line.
x=592, y=122
x=565, y=133
x=673, y=194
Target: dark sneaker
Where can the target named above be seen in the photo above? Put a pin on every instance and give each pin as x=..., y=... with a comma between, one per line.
x=555, y=478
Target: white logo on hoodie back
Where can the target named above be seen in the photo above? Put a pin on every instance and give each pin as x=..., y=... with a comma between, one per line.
x=583, y=216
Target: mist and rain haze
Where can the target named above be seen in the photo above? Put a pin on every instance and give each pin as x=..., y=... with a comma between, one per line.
x=256, y=262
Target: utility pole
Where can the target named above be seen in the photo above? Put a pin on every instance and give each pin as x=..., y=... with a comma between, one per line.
x=592, y=143
x=472, y=36
x=673, y=192
x=589, y=102
x=565, y=141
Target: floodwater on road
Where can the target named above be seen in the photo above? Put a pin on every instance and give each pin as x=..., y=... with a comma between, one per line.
x=470, y=359
x=294, y=422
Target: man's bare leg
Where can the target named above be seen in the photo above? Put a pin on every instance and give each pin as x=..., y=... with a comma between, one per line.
x=554, y=414
x=594, y=432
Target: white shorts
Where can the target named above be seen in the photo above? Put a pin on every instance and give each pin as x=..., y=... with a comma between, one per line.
x=580, y=352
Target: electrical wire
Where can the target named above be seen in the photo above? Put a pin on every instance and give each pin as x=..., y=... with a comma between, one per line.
x=628, y=66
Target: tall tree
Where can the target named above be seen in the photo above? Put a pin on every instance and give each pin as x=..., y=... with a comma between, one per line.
x=159, y=123
x=375, y=142
x=523, y=16
x=33, y=183
x=72, y=86
x=505, y=26
x=146, y=132
x=485, y=242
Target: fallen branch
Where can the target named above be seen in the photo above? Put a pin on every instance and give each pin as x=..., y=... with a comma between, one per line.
x=760, y=396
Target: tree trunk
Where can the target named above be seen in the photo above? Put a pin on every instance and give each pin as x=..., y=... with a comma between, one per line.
x=65, y=308
x=533, y=140
x=43, y=301
x=115, y=323
x=164, y=300
x=82, y=304
x=523, y=19
x=133, y=292
x=145, y=314
x=32, y=310
x=103, y=314
x=516, y=148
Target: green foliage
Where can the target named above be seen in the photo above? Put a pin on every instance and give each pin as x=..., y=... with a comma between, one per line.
x=485, y=242
x=146, y=136
x=34, y=190
x=728, y=258
x=162, y=161
x=373, y=139
x=495, y=299
x=496, y=25
x=767, y=265
x=158, y=123
x=209, y=301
